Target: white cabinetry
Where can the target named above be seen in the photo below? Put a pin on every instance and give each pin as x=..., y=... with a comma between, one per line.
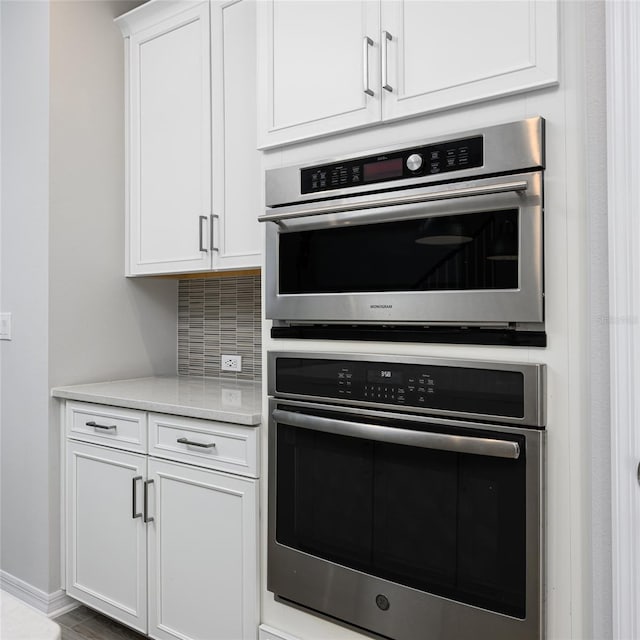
x=331, y=66
x=167, y=547
x=193, y=169
x=314, y=57
x=106, y=545
x=442, y=54
x=201, y=545
x=170, y=144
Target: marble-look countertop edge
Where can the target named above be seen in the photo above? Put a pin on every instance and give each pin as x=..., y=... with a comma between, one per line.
x=81, y=393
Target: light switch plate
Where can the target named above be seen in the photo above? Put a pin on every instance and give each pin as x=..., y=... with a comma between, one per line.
x=5, y=326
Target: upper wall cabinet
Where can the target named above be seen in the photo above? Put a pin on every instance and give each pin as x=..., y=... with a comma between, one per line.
x=193, y=169
x=332, y=66
x=319, y=68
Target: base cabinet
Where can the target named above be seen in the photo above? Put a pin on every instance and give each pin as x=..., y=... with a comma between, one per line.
x=167, y=548
x=201, y=554
x=106, y=545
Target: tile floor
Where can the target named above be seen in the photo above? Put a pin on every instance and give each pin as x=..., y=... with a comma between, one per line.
x=85, y=624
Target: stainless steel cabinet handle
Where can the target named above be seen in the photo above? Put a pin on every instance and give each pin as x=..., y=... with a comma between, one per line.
x=105, y=427
x=200, y=233
x=386, y=38
x=440, y=441
x=146, y=517
x=211, y=218
x=196, y=444
x=134, y=515
x=366, y=43
x=444, y=194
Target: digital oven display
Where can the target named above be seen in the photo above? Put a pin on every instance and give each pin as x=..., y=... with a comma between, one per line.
x=384, y=376
x=383, y=170
x=451, y=155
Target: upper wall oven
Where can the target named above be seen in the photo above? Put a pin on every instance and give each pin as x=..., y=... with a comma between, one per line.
x=441, y=238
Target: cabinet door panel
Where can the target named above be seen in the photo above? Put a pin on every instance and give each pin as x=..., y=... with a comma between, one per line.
x=236, y=161
x=106, y=546
x=170, y=144
x=202, y=554
x=314, y=60
x=447, y=53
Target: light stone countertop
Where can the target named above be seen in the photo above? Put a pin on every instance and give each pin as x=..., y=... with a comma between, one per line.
x=236, y=401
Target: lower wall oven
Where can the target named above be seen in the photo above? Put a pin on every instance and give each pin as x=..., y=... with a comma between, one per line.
x=406, y=494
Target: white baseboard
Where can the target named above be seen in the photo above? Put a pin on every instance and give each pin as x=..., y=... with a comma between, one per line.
x=51, y=604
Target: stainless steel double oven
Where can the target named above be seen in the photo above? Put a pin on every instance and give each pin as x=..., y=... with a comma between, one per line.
x=406, y=494
x=405, y=241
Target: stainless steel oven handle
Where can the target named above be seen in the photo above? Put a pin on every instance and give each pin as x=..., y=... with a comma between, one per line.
x=445, y=194
x=441, y=441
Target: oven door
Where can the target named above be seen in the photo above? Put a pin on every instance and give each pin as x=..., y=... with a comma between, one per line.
x=404, y=526
x=463, y=253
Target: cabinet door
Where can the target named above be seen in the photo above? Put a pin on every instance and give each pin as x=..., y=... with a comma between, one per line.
x=170, y=144
x=314, y=59
x=106, y=544
x=203, y=570
x=442, y=53
x=237, y=177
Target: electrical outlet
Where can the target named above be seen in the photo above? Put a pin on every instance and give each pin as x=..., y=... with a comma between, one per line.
x=232, y=397
x=231, y=363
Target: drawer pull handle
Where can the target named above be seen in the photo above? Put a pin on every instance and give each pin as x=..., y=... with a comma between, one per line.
x=196, y=444
x=106, y=427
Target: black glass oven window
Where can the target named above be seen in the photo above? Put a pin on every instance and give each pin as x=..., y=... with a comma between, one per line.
x=462, y=252
x=446, y=523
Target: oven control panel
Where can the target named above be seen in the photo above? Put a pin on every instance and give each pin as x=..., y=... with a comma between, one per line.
x=448, y=388
x=387, y=385
x=413, y=162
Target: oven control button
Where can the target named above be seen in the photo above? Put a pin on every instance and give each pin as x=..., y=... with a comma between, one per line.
x=414, y=162
x=382, y=602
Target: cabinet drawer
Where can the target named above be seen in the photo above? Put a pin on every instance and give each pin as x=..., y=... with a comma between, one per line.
x=215, y=445
x=100, y=424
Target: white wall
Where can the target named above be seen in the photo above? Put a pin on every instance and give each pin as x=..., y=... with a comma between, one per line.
x=577, y=607
x=76, y=318
x=101, y=324
x=598, y=294
x=24, y=436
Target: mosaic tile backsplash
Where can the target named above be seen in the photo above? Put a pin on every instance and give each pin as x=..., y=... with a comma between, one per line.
x=219, y=316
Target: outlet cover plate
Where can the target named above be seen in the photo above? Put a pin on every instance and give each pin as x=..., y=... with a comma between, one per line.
x=231, y=363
